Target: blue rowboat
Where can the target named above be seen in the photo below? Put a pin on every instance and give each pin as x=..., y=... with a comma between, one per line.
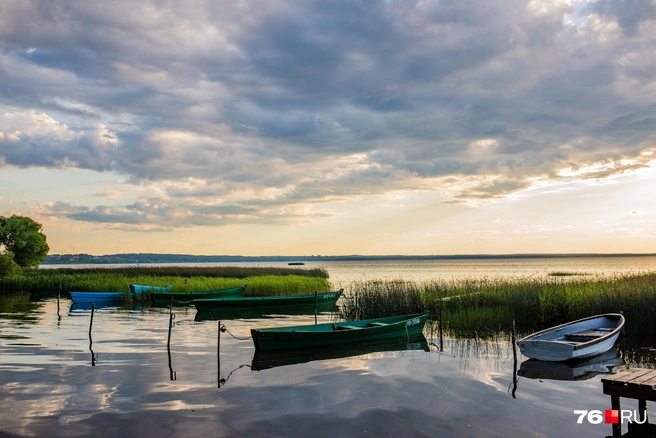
x=97, y=297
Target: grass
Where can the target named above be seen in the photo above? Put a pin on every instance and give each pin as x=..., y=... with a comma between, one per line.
x=566, y=274
x=484, y=306
x=191, y=271
x=261, y=281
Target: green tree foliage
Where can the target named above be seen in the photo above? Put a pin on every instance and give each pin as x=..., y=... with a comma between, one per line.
x=8, y=266
x=22, y=236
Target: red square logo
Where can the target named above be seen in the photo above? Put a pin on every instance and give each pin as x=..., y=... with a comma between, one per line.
x=612, y=416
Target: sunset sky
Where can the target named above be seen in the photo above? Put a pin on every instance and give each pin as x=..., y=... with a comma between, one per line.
x=331, y=127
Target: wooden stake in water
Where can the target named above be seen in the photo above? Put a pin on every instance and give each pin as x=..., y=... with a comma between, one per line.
x=316, y=292
x=220, y=328
x=513, y=337
x=93, y=355
x=218, y=355
x=93, y=307
x=441, y=337
x=171, y=318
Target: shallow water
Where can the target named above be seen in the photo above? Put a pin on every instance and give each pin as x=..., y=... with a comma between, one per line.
x=59, y=378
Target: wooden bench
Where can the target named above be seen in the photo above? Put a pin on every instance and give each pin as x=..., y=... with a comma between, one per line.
x=347, y=327
x=587, y=334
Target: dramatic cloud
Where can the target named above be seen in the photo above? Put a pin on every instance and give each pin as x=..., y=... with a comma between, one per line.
x=248, y=111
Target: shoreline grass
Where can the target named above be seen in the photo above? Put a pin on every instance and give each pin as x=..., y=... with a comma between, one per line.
x=486, y=305
x=261, y=281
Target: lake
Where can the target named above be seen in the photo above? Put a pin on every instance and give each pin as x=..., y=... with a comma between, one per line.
x=62, y=374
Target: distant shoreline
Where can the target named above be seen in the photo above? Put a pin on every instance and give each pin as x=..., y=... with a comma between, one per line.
x=65, y=259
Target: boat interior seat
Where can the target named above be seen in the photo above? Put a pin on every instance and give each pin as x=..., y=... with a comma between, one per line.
x=376, y=324
x=346, y=327
x=591, y=334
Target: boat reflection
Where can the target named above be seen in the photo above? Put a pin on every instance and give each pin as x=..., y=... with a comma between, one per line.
x=571, y=370
x=275, y=358
x=84, y=307
x=229, y=315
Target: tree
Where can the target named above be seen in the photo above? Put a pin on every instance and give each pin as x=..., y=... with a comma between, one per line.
x=8, y=266
x=22, y=236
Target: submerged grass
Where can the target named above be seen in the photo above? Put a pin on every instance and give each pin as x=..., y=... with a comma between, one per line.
x=486, y=305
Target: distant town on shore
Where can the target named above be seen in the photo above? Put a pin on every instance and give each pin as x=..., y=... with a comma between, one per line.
x=134, y=258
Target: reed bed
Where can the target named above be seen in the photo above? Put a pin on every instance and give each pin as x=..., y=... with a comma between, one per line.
x=261, y=282
x=480, y=306
x=195, y=271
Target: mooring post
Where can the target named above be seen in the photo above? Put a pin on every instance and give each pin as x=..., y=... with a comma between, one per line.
x=58, y=297
x=93, y=306
x=93, y=356
x=513, y=337
x=218, y=355
x=316, y=304
x=358, y=304
x=441, y=332
x=171, y=318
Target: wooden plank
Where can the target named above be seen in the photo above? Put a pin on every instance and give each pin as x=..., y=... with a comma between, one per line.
x=587, y=334
x=626, y=376
x=642, y=380
x=348, y=327
x=613, y=377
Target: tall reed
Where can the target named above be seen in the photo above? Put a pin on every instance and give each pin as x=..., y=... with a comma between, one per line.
x=479, y=305
x=109, y=280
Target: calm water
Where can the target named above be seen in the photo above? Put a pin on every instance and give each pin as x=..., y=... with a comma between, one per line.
x=57, y=379
x=419, y=270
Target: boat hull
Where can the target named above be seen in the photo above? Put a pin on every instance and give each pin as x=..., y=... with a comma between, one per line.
x=562, y=343
x=323, y=300
x=338, y=334
x=141, y=288
x=164, y=298
x=97, y=297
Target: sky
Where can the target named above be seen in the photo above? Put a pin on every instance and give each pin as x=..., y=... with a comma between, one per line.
x=331, y=127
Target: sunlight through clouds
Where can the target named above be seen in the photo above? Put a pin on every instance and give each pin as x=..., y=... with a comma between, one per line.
x=379, y=124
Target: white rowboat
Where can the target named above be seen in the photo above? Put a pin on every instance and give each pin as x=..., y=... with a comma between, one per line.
x=579, y=339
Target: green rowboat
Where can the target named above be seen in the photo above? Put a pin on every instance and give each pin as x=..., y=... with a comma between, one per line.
x=342, y=333
x=165, y=298
x=318, y=300
x=142, y=288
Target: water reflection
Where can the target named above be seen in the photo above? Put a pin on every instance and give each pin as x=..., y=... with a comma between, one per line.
x=583, y=369
x=237, y=314
x=173, y=375
x=19, y=307
x=47, y=379
x=271, y=359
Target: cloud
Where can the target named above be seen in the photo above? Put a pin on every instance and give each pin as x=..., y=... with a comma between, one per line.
x=248, y=110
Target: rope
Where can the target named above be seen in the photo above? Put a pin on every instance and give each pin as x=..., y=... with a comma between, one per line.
x=224, y=381
x=236, y=337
